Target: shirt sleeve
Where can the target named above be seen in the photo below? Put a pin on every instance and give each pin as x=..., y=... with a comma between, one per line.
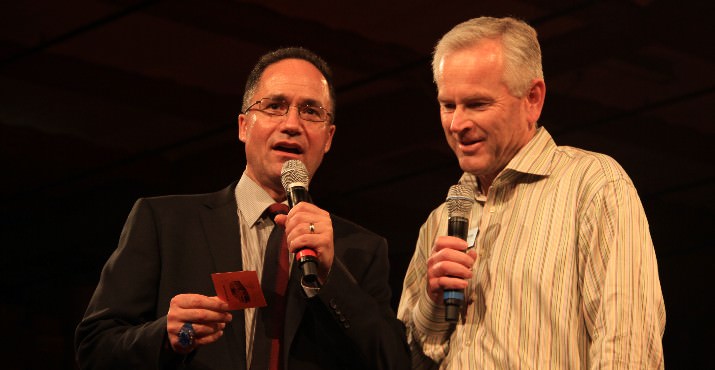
x=622, y=300
x=427, y=331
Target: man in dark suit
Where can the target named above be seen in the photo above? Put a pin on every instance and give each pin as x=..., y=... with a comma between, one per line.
x=155, y=305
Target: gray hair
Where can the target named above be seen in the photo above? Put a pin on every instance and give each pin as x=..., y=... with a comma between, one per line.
x=522, y=54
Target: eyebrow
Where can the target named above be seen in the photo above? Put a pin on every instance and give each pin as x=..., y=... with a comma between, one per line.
x=467, y=99
x=308, y=102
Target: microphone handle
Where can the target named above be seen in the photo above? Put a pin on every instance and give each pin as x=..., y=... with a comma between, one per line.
x=297, y=194
x=458, y=226
x=453, y=298
x=306, y=257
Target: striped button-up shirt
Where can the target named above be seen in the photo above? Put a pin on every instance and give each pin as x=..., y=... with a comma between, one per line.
x=565, y=278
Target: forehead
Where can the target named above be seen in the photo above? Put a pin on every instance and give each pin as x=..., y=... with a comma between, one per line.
x=295, y=80
x=481, y=64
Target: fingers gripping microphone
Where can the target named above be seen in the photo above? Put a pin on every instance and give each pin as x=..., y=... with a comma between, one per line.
x=460, y=199
x=295, y=179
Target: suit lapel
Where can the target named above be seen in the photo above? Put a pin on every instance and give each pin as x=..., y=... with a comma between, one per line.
x=220, y=222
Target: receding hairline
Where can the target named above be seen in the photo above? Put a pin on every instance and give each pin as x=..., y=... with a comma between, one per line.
x=275, y=56
x=324, y=81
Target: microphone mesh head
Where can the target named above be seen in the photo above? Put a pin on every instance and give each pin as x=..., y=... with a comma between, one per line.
x=294, y=173
x=459, y=200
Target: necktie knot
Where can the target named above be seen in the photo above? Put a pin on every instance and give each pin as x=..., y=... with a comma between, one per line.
x=275, y=209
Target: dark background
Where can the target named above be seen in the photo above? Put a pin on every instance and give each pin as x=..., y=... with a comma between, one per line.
x=102, y=102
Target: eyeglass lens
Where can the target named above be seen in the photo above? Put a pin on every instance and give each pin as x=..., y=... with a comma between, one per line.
x=281, y=107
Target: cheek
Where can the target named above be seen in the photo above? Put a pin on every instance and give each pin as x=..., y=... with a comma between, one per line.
x=448, y=134
x=246, y=130
x=257, y=132
x=452, y=142
x=320, y=141
x=446, y=126
x=446, y=120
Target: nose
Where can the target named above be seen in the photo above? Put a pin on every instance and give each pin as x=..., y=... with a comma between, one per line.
x=460, y=121
x=292, y=123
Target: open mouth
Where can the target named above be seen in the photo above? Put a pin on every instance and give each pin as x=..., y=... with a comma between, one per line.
x=468, y=142
x=470, y=145
x=288, y=149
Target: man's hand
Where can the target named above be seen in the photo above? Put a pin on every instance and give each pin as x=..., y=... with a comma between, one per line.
x=208, y=316
x=448, y=266
x=298, y=231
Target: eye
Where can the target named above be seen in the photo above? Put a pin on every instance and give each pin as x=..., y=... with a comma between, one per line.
x=311, y=112
x=447, y=107
x=274, y=106
x=477, y=105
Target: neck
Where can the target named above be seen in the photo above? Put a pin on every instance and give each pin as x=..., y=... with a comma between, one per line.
x=484, y=182
x=274, y=189
x=278, y=195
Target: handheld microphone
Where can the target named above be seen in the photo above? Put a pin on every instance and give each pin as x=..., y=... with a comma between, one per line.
x=295, y=179
x=460, y=199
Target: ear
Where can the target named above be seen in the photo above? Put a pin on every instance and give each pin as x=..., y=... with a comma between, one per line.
x=535, y=100
x=329, y=141
x=242, y=127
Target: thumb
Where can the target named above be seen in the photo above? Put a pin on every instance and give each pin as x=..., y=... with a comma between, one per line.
x=280, y=220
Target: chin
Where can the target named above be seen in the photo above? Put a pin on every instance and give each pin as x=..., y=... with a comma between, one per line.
x=470, y=165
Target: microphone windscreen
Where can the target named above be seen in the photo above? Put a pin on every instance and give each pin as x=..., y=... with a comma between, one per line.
x=294, y=173
x=459, y=200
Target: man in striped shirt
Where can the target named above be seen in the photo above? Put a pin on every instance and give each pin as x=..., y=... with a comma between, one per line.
x=563, y=273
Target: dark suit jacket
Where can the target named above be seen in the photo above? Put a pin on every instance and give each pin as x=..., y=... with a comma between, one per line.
x=171, y=245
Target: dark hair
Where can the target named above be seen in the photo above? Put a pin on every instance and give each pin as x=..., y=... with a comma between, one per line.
x=281, y=54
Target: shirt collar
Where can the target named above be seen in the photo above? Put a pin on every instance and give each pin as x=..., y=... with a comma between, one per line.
x=534, y=158
x=251, y=199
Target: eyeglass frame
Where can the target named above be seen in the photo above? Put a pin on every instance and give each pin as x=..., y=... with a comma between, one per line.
x=305, y=105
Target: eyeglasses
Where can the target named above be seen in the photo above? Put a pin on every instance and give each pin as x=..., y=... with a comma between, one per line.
x=277, y=107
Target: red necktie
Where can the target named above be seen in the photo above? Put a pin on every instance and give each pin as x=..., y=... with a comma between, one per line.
x=275, y=274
